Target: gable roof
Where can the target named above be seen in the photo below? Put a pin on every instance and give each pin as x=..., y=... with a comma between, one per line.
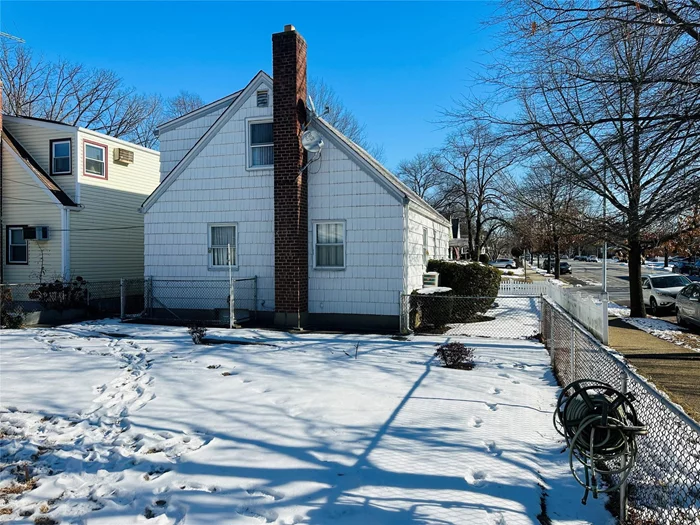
x=375, y=169
x=33, y=166
x=205, y=139
x=382, y=175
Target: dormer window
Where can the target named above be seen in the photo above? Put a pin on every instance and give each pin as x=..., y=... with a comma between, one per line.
x=95, y=160
x=60, y=153
x=263, y=98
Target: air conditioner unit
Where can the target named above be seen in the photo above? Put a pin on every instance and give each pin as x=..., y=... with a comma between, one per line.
x=36, y=233
x=430, y=279
x=123, y=155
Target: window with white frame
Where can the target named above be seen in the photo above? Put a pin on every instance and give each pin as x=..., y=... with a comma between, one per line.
x=329, y=244
x=17, y=250
x=222, y=237
x=261, y=152
x=95, y=160
x=60, y=157
x=425, y=245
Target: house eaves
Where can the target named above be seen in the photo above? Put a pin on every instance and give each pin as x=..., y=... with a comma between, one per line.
x=198, y=113
x=33, y=167
x=205, y=139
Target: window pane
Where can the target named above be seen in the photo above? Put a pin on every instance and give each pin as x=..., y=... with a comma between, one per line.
x=329, y=255
x=262, y=156
x=61, y=149
x=94, y=166
x=223, y=236
x=329, y=233
x=61, y=165
x=16, y=237
x=94, y=152
x=261, y=133
x=18, y=253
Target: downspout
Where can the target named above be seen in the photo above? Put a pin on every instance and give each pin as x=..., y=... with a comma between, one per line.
x=65, y=243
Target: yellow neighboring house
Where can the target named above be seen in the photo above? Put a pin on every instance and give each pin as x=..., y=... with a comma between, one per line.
x=70, y=202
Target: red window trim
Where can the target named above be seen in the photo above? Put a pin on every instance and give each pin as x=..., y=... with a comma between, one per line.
x=106, y=149
x=51, y=143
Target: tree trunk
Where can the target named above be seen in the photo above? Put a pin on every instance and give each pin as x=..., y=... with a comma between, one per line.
x=635, y=274
x=665, y=257
x=557, y=269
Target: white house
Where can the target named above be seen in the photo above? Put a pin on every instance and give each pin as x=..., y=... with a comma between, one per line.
x=333, y=237
x=70, y=202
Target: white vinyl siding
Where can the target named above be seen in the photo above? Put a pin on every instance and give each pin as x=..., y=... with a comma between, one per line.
x=425, y=246
x=261, y=146
x=222, y=238
x=61, y=156
x=416, y=258
x=329, y=245
x=17, y=249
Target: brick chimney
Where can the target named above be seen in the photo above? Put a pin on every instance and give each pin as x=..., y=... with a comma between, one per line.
x=291, y=188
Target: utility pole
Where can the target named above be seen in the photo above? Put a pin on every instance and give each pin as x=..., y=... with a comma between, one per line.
x=605, y=230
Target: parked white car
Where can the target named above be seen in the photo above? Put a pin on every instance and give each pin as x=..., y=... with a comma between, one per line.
x=592, y=258
x=660, y=291
x=688, y=305
x=503, y=263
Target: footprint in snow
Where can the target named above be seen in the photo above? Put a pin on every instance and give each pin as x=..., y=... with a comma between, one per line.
x=265, y=515
x=496, y=391
x=265, y=493
x=504, y=375
x=476, y=478
x=492, y=406
x=493, y=449
x=475, y=422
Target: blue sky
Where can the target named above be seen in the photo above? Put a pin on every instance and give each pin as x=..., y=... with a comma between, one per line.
x=394, y=64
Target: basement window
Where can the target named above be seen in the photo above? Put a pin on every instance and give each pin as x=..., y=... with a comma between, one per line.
x=329, y=245
x=263, y=99
x=261, y=153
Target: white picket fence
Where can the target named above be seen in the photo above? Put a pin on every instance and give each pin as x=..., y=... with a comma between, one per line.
x=589, y=310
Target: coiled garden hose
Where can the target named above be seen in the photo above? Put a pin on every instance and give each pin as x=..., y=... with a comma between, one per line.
x=600, y=426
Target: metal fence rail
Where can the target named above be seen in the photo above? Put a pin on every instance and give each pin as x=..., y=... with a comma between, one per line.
x=664, y=487
x=498, y=317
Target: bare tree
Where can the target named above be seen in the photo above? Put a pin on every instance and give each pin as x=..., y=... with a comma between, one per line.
x=473, y=164
x=181, y=104
x=605, y=98
x=422, y=176
x=339, y=116
x=71, y=93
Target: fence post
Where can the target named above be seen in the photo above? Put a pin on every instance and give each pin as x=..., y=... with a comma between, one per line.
x=623, y=487
x=122, y=295
x=255, y=296
x=572, y=355
x=604, y=334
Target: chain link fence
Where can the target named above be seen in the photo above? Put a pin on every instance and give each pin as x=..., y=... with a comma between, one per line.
x=62, y=301
x=664, y=486
x=500, y=317
x=187, y=302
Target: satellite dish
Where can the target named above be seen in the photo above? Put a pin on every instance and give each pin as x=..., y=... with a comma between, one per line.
x=312, y=141
x=310, y=105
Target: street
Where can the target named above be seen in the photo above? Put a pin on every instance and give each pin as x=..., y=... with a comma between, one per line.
x=590, y=276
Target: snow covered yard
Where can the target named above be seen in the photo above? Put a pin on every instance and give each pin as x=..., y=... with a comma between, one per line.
x=667, y=331
x=123, y=424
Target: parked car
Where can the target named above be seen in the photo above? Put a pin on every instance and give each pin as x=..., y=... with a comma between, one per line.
x=564, y=267
x=592, y=258
x=660, y=291
x=688, y=305
x=503, y=263
x=563, y=257
x=687, y=267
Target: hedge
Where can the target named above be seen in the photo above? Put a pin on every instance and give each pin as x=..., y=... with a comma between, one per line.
x=467, y=280
x=431, y=311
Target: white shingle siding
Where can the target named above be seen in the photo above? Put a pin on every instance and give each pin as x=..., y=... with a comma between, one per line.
x=216, y=188
x=373, y=276
x=438, y=245
x=176, y=142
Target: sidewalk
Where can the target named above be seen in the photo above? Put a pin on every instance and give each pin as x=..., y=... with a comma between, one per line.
x=672, y=368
